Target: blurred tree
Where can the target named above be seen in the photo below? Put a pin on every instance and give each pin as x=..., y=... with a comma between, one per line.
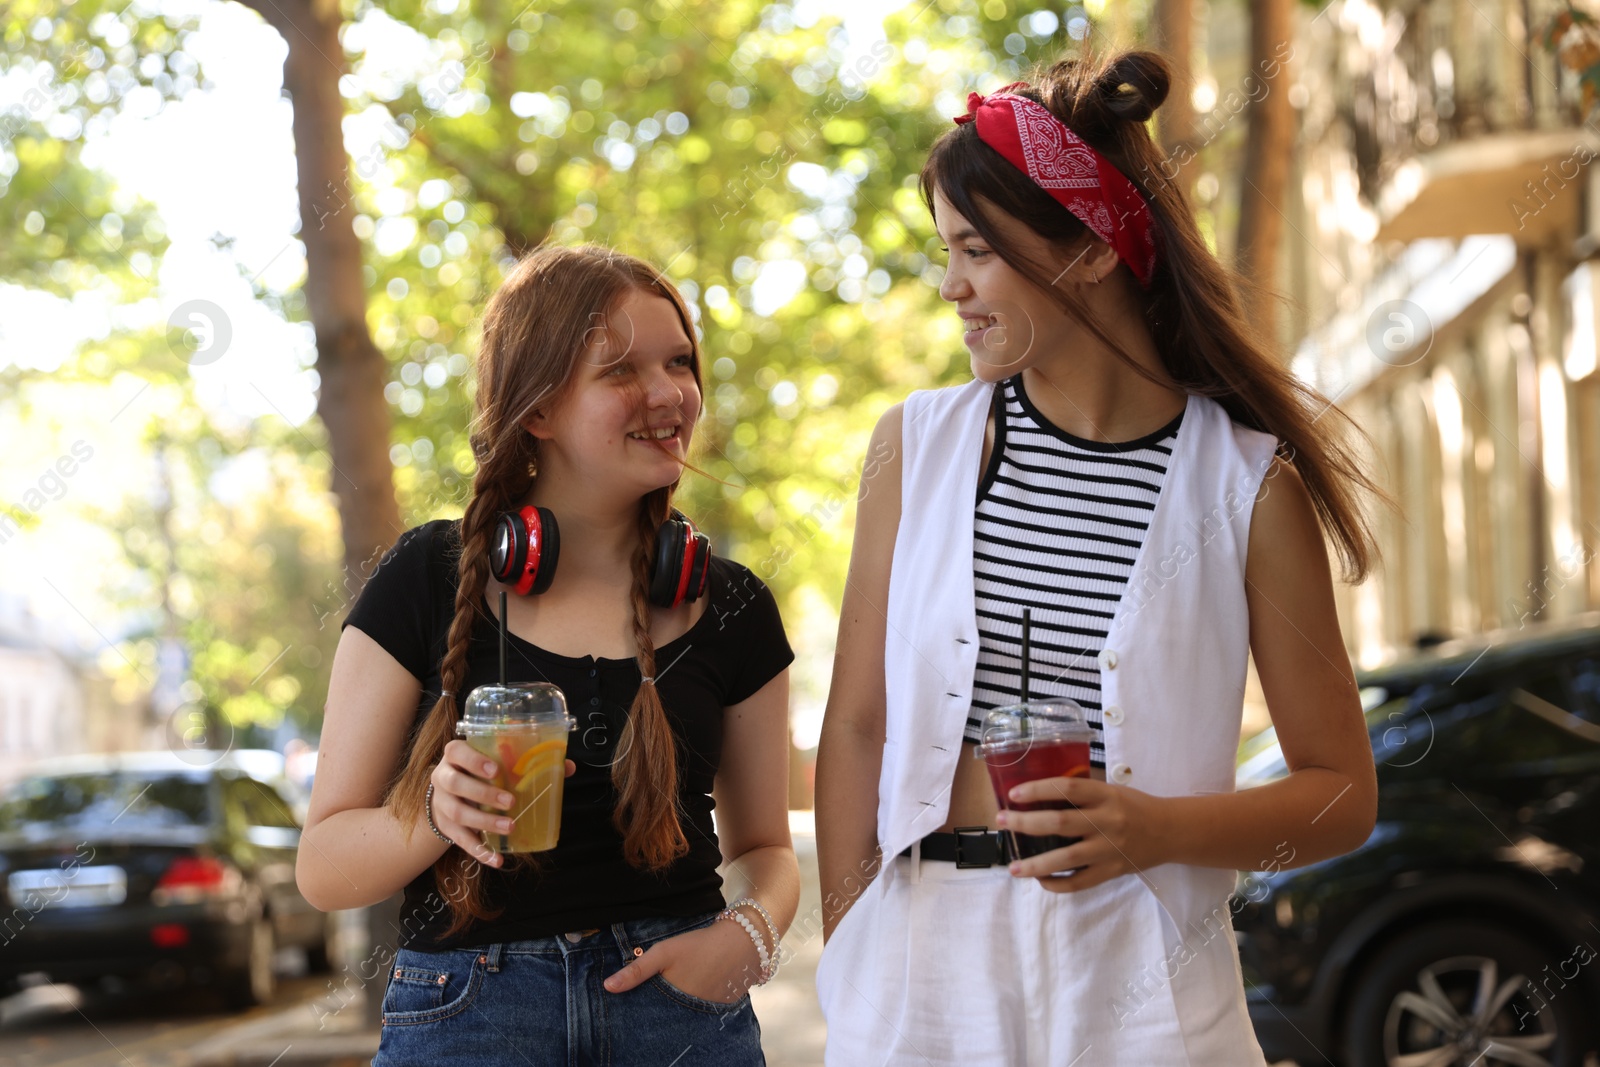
x=350, y=368
x=1172, y=34
x=1269, y=144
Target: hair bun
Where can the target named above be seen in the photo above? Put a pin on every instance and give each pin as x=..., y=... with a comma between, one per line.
x=1133, y=85
x=1095, y=99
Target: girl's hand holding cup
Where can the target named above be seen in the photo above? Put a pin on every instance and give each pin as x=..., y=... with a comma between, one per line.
x=1119, y=828
x=462, y=781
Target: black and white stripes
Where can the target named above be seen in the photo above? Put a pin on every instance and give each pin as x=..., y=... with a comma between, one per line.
x=1058, y=526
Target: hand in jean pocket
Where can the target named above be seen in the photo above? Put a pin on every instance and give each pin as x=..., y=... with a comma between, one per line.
x=718, y=963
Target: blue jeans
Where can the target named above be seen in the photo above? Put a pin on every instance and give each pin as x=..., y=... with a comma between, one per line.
x=540, y=1004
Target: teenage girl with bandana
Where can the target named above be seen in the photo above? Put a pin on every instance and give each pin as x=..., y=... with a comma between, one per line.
x=1139, y=470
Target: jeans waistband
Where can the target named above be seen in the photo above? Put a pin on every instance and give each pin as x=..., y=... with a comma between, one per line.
x=624, y=935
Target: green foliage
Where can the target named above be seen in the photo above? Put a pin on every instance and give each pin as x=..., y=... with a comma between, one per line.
x=80, y=66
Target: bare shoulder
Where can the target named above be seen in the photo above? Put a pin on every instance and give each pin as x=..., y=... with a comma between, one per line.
x=1294, y=623
x=1284, y=524
x=372, y=704
x=883, y=451
x=879, y=493
x=878, y=507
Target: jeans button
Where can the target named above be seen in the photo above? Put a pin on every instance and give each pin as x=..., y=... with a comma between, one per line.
x=574, y=937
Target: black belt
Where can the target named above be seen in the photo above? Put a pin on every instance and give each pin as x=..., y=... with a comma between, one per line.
x=968, y=846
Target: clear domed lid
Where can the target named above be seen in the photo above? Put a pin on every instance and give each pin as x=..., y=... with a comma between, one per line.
x=1056, y=719
x=492, y=708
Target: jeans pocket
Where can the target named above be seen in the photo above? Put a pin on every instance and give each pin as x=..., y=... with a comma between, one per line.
x=689, y=1000
x=643, y=934
x=428, y=986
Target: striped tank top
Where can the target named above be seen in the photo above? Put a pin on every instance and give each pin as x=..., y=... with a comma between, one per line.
x=1059, y=523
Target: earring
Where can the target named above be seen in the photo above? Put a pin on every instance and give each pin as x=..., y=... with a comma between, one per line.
x=1094, y=274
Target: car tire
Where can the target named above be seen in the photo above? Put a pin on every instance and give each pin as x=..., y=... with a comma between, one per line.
x=1426, y=990
x=324, y=956
x=257, y=981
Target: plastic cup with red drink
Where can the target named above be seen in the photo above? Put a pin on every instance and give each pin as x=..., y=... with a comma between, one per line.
x=1028, y=742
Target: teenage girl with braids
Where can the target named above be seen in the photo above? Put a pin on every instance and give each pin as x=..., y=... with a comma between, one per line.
x=1141, y=472
x=609, y=948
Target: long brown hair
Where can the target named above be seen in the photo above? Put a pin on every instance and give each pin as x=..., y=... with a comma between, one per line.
x=535, y=332
x=1192, y=306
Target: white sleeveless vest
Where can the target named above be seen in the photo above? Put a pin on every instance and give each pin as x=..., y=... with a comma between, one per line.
x=1172, y=673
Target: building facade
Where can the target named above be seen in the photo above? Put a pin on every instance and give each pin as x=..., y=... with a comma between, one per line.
x=1443, y=291
x=55, y=703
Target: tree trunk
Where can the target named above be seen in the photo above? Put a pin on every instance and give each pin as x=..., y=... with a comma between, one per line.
x=1173, y=24
x=351, y=368
x=1268, y=143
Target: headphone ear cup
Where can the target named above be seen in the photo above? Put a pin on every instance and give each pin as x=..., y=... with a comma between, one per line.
x=700, y=576
x=668, y=568
x=549, y=551
x=508, y=548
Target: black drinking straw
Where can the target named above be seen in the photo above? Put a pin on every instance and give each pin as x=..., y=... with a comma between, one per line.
x=502, y=637
x=1027, y=623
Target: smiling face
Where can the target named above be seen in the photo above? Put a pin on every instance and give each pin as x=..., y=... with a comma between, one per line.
x=625, y=420
x=1011, y=324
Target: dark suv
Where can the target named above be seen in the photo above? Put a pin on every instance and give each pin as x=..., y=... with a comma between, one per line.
x=142, y=867
x=1467, y=929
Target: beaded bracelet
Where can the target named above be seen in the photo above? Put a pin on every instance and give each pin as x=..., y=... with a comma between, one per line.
x=772, y=927
x=767, y=970
x=427, y=811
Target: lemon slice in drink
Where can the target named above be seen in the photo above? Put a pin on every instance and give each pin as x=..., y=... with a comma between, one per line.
x=533, y=753
x=535, y=771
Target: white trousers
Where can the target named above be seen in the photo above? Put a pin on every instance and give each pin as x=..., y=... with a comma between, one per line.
x=935, y=966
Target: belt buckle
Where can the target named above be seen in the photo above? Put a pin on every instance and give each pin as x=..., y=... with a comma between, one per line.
x=1006, y=842
x=961, y=861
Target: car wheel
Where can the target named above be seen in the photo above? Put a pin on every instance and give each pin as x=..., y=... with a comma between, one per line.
x=257, y=981
x=1462, y=994
x=323, y=957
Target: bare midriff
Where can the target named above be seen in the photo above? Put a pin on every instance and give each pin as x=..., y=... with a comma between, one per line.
x=972, y=800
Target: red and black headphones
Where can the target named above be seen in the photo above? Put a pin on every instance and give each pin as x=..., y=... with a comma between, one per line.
x=526, y=544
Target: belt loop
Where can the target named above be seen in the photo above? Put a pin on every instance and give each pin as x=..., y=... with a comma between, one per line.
x=916, y=862
x=491, y=957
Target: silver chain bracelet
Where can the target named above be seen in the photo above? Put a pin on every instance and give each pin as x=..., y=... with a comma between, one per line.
x=427, y=811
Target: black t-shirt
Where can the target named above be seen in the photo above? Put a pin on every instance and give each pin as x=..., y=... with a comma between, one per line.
x=735, y=648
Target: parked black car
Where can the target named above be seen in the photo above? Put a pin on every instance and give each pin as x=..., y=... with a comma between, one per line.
x=143, y=867
x=1467, y=929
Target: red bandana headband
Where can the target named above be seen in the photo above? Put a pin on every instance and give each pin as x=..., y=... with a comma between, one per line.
x=1074, y=174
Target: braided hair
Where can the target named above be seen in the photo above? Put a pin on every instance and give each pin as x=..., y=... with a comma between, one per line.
x=535, y=331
